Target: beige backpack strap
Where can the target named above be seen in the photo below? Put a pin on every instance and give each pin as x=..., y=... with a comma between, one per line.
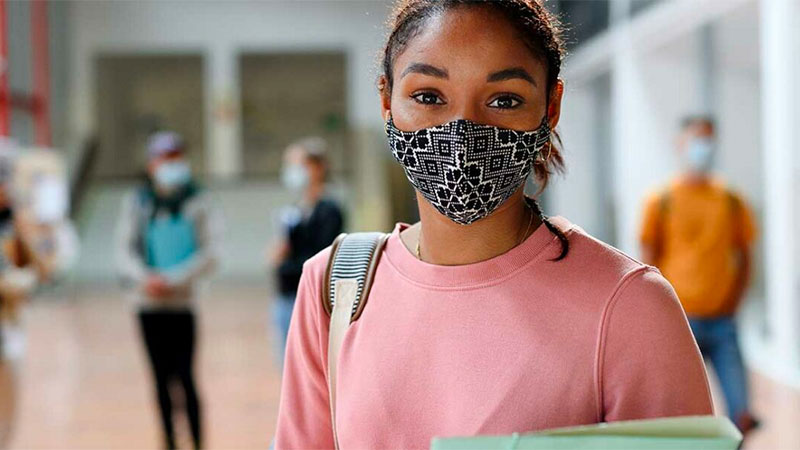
x=351, y=269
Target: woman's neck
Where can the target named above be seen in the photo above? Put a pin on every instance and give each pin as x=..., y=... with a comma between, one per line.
x=444, y=242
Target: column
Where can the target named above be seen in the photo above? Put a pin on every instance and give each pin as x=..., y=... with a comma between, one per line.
x=223, y=114
x=780, y=44
x=707, y=76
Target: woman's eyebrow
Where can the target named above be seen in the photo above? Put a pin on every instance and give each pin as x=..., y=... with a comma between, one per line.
x=508, y=74
x=425, y=69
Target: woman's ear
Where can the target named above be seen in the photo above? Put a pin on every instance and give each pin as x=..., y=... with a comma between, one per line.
x=554, y=105
x=386, y=97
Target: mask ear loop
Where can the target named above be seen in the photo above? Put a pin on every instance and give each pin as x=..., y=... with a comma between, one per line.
x=549, y=151
x=549, y=143
x=546, y=121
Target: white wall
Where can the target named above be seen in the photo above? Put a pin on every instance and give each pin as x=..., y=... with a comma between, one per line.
x=780, y=69
x=649, y=95
x=648, y=99
x=220, y=30
x=573, y=195
x=739, y=102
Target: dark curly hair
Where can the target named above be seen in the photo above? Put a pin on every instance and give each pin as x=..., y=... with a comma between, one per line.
x=540, y=31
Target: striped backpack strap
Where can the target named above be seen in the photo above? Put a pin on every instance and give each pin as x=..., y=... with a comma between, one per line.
x=354, y=256
x=351, y=269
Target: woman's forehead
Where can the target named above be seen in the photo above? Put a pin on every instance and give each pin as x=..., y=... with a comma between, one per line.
x=468, y=38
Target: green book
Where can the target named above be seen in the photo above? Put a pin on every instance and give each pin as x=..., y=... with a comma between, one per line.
x=672, y=433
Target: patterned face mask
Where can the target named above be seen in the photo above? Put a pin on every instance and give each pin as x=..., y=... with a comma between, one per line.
x=464, y=169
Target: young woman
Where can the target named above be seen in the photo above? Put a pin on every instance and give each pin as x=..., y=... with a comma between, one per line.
x=486, y=317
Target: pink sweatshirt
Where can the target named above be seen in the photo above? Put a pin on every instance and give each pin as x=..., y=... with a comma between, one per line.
x=513, y=344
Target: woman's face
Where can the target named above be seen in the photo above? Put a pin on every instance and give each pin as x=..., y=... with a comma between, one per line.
x=469, y=63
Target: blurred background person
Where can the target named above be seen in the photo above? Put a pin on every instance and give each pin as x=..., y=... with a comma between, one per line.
x=37, y=245
x=307, y=226
x=41, y=197
x=166, y=242
x=700, y=233
x=15, y=284
x=17, y=273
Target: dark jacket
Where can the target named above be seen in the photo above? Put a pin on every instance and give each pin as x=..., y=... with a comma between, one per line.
x=306, y=238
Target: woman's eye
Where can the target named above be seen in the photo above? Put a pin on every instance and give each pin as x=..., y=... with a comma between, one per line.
x=505, y=102
x=428, y=98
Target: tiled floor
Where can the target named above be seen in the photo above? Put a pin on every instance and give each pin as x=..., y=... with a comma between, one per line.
x=84, y=380
x=778, y=407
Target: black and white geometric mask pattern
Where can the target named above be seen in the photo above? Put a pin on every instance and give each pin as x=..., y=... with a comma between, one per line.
x=464, y=169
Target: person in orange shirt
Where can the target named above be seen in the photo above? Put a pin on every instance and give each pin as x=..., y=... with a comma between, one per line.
x=699, y=233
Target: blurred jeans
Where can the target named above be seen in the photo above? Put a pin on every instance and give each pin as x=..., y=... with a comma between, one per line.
x=719, y=342
x=281, y=316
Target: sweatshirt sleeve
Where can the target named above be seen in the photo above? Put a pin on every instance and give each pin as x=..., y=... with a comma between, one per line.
x=304, y=420
x=648, y=364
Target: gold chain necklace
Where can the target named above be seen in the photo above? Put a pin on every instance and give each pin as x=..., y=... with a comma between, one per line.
x=524, y=235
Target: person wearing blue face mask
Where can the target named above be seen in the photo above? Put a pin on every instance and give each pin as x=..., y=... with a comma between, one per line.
x=307, y=226
x=700, y=233
x=166, y=241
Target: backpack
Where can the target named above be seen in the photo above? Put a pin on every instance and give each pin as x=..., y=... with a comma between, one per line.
x=348, y=278
x=664, y=210
x=166, y=241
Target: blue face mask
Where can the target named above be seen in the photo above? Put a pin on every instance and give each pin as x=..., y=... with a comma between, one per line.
x=700, y=155
x=172, y=174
